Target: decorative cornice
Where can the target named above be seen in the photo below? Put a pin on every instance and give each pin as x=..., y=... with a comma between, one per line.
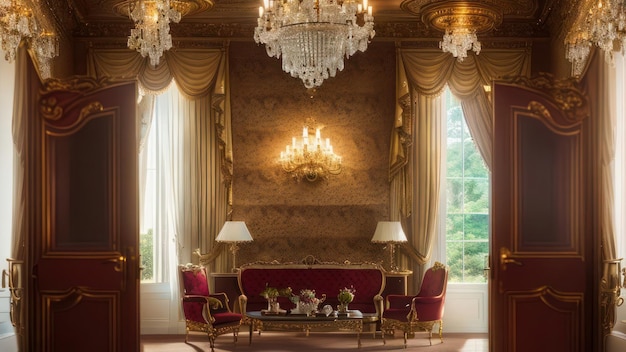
x=384, y=31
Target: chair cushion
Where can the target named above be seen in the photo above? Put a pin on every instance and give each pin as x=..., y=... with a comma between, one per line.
x=396, y=314
x=195, y=283
x=226, y=317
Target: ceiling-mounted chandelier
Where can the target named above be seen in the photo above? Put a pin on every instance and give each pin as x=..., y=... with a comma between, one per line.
x=461, y=21
x=17, y=22
x=458, y=41
x=601, y=23
x=314, y=36
x=311, y=157
x=151, y=35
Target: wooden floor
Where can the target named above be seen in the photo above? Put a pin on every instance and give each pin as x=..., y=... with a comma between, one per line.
x=274, y=341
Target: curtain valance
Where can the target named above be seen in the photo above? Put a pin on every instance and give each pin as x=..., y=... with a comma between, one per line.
x=193, y=69
x=428, y=71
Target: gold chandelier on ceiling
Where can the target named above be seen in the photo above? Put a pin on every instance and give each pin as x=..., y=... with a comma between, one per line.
x=314, y=36
x=461, y=21
x=601, y=23
x=311, y=157
x=151, y=36
x=17, y=23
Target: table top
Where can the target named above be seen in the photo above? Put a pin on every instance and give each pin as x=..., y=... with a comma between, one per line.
x=352, y=314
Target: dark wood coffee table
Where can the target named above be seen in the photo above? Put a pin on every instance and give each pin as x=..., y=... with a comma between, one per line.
x=352, y=321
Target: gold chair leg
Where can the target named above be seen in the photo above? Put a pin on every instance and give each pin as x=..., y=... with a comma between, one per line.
x=212, y=343
x=441, y=330
x=405, y=337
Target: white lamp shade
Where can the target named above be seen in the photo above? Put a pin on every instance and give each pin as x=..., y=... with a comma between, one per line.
x=234, y=231
x=389, y=231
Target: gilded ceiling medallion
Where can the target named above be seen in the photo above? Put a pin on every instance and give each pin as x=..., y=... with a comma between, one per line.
x=185, y=7
x=481, y=17
x=510, y=8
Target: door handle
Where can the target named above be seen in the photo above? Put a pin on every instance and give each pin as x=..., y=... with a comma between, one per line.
x=120, y=267
x=507, y=258
x=120, y=263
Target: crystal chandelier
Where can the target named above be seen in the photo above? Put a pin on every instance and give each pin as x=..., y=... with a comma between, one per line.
x=461, y=22
x=314, y=36
x=459, y=41
x=151, y=35
x=601, y=23
x=17, y=22
x=311, y=157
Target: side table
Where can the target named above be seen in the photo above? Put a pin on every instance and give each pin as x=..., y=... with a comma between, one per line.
x=396, y=282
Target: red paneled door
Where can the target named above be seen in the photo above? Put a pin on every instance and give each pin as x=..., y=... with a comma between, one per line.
x=542, y=247
x=85, y=269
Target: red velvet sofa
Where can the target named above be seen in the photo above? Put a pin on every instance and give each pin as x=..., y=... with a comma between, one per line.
x=367, y=279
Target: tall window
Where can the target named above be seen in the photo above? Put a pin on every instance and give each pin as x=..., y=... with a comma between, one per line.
x=161, y=198
x=466, y=205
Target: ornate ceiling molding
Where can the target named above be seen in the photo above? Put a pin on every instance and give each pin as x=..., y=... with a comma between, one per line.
x=511, y=9
x=185, y=7
x=228, y=19
x=243, y=31
x=481, y=17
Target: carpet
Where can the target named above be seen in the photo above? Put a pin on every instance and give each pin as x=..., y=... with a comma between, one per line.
x=278, y=341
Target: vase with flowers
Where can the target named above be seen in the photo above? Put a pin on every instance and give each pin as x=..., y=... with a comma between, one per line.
x=345, y=296
x=306, y=302
x=271, y=294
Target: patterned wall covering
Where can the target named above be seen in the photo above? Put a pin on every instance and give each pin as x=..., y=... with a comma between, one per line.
x=333, y=220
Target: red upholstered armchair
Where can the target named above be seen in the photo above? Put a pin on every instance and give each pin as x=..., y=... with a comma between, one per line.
x=205, y=312
x=409, y=313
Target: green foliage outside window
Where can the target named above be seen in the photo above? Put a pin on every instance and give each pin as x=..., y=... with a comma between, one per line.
x=146, y=251
x=467, y=201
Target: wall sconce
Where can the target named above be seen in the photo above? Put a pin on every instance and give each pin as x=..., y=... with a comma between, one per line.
x=390, y=232
x=310, y=158
x=234, y=232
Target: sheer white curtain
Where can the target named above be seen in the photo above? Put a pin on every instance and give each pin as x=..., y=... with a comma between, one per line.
x=165, y=136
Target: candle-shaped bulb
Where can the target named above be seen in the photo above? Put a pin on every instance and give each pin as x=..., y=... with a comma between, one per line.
x=327, y=143
x=261, y=10
x=364, y=4
x=369, y=10
x=305, y=132
x=317, y=133
x=293, y=141
x=359, y=8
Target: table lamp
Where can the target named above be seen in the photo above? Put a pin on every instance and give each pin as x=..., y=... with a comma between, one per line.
x=389, y=232
x=234, y=232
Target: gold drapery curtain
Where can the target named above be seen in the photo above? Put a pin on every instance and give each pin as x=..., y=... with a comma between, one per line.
x=599, y=82
x=23, y=110
x=415, y=160
x=202, y=77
